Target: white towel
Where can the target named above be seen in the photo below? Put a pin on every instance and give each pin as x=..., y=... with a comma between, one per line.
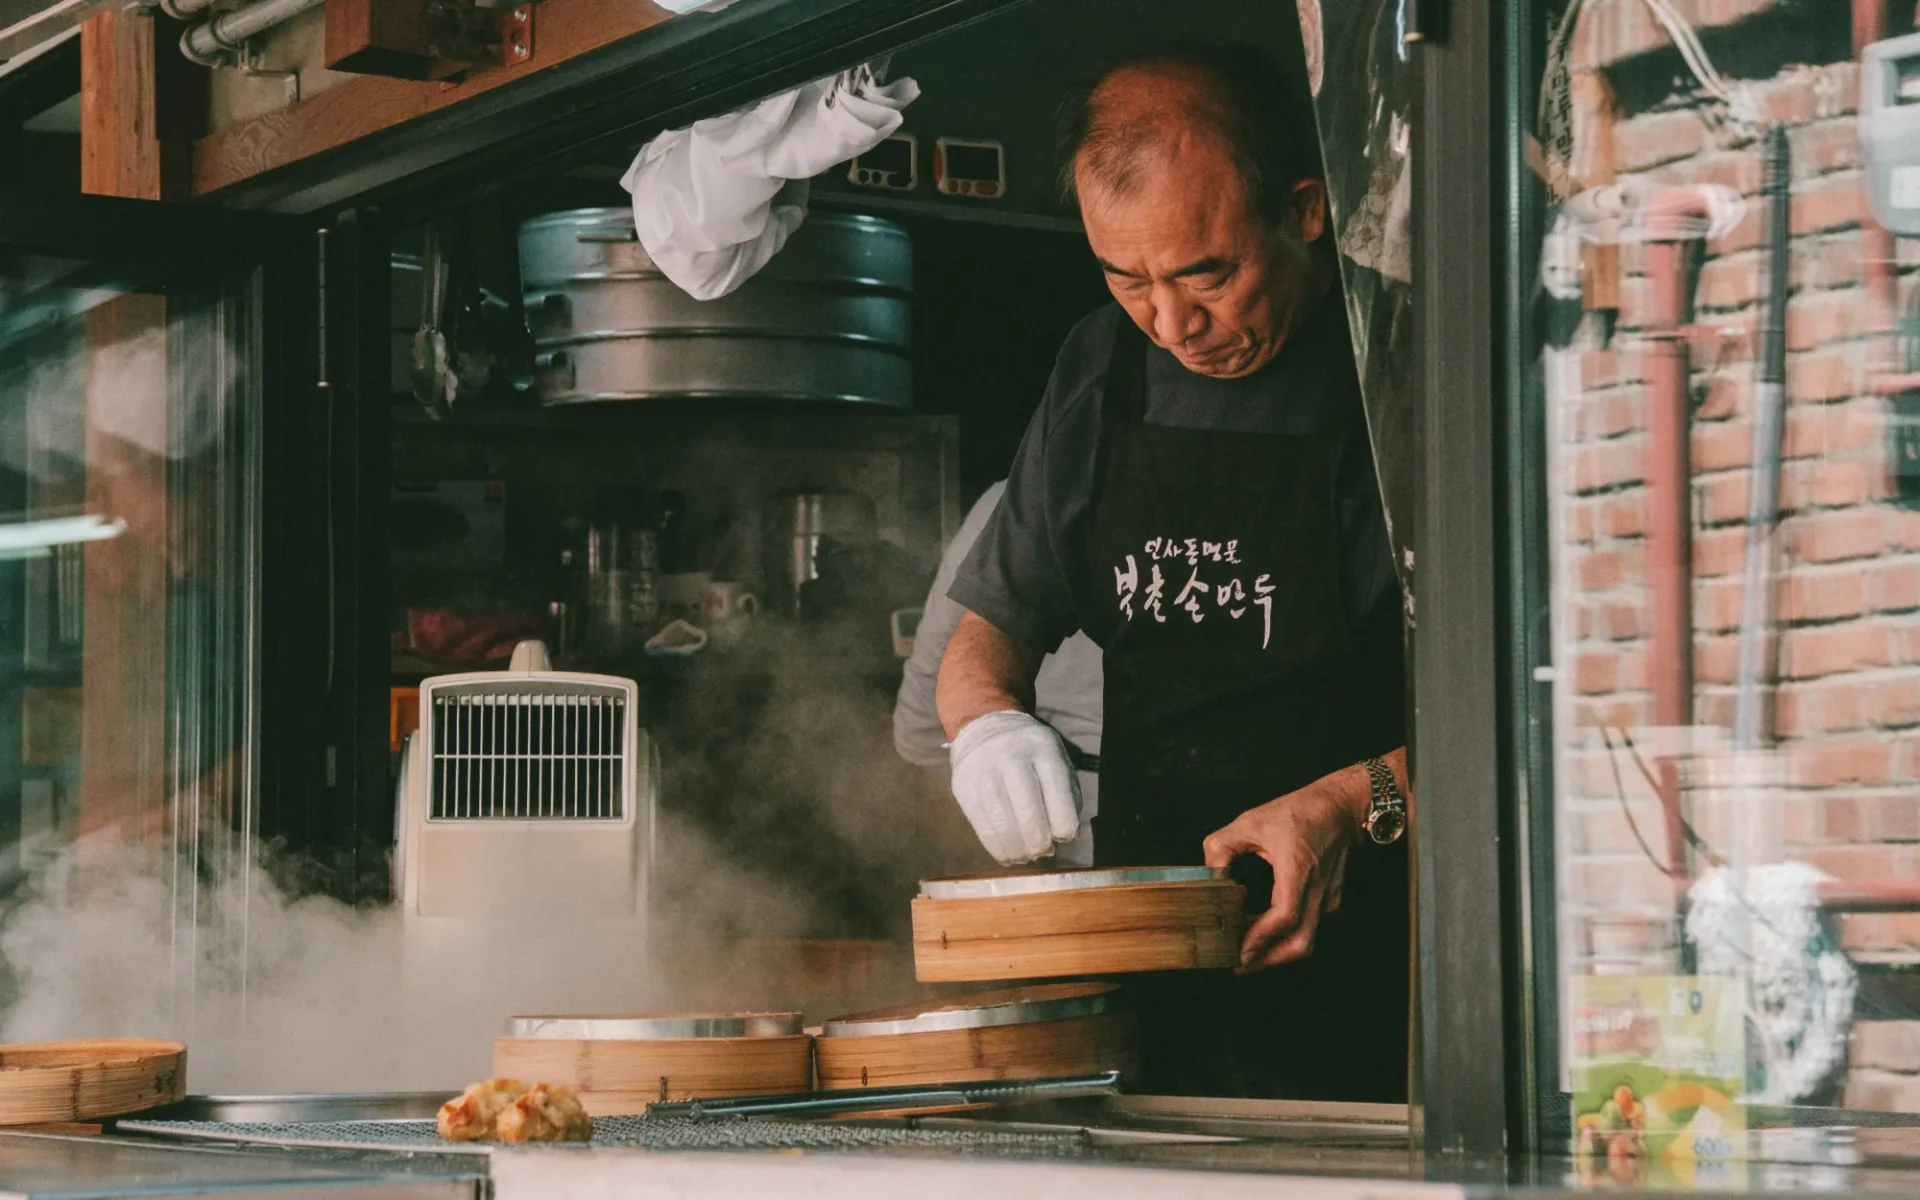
x=714, y=201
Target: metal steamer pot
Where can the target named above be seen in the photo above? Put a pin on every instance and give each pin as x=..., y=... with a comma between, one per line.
x=828, y=319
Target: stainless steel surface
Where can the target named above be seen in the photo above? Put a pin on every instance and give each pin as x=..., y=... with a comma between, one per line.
x=798, y=526
x=836, y=249
x=673, y=1025
x=892, y=1099
x=72, y=1168
x=592, y=310
x=828, y=319
x=310, y=1106
x=663, y=1133
x=1028, y=883
x=958, y=1014
x=723, y=368
x=526, y=750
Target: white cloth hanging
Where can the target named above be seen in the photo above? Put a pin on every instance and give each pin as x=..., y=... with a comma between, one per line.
x=714, y=201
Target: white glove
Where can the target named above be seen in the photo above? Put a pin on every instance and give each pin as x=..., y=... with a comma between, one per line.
x=1013, y=780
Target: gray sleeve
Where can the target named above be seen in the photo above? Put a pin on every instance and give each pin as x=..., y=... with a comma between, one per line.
x=917, y=733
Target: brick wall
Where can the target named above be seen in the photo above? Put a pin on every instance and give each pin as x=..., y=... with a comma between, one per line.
x=1845, y=779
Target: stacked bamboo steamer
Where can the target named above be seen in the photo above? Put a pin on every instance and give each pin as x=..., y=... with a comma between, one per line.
x=1049, y=1030
x=619, y=1065
x=1056, y=924
x=87, y=1079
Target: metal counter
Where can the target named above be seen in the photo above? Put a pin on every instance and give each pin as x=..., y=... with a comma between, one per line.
x=63, y=1167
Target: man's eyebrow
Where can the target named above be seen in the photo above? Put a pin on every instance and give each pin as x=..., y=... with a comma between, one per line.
x=1211, y=265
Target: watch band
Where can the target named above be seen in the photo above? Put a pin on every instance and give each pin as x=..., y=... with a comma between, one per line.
x=1387, y=817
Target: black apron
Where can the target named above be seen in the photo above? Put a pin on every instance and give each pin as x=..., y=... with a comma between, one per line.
x=1212, y=581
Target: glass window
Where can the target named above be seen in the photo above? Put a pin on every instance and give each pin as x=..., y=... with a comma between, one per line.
x=1719, y=594
x=128, y=531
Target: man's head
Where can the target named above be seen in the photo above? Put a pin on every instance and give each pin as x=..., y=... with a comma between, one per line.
x=1199, y=204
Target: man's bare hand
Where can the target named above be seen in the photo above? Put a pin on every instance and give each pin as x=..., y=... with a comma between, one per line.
x=1305, y=836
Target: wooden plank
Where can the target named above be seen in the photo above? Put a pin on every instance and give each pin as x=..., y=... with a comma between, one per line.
x=124, y=580
x=368, y=104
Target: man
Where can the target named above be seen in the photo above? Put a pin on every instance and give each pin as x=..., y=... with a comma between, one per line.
x=1197, y=494
x=1066, y=689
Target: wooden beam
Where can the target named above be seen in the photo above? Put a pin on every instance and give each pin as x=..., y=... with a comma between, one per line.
x=564, y=29
x=141, y=106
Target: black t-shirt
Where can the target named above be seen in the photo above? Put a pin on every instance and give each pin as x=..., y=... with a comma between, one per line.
x=1016, y=576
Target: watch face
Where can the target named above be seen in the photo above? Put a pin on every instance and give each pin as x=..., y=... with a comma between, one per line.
x=1385, y=825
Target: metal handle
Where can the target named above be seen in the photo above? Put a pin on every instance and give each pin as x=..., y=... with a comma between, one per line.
x=607, y=235
x=939, y=1095
x=555, y=370
x=1426, y=22
x=552, y=315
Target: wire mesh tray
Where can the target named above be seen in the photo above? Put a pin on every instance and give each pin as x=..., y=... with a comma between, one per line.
x=647, y=1133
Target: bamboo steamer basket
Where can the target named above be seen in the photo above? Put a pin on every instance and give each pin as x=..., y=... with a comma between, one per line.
x=1041, y=1031
x=83, y=1080
x=619, y=1065
x=1049, y=924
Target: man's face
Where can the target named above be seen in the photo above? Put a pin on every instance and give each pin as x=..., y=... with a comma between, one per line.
x=1195, y=268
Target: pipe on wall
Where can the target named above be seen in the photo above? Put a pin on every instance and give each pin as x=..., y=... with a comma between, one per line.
x=214, y=41
x=1673, y=219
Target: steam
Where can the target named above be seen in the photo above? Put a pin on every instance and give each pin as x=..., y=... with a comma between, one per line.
x=277, y=993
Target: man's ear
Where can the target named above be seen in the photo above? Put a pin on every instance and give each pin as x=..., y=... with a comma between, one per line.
x=1310, y=209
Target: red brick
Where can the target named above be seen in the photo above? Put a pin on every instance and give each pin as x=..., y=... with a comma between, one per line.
x=1729, y=392
x=1819, y=377
x=1827, y=146
x=1612, y=714
x=1722, y=499
x=1596, y=674
x=1624, y=518
x=1719, y=445
x=1840, y=818
x=1895, y=704
x=1627, y=879
x=1864, y=762
x=1731, y=282
x=1838, y=536
x=1893, y=818
x=1713, y=707
x=1824, y=318
x=1884, y=1045
x=1882, y=1091
x=1599, y=369
x=1618, y=622
x=1833, y=202
x=1658, y=137
x=1751, y=231
x=1834, y=429
x=1832, y=261
x=1607, y=465
x=1600, y=570
x=1895, y=586
x=1718, y=552
x=1879, y=931
x=1865, y=862
x=1841, y=484
x=1904, y=529
x=1906, y=643
x=1827, y=596
x=1740, y=170
x=1798, y=820
x=1715, y=659
x=1835, y=649
x=1801, y=710
x=1716, y=606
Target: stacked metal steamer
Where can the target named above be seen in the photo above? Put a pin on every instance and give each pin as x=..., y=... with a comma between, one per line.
x=827, y=320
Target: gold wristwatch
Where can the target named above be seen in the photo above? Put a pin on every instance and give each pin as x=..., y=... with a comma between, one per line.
x=1387, y=818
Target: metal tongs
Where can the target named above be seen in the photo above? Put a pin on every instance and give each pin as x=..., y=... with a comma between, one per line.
x=889, y=1099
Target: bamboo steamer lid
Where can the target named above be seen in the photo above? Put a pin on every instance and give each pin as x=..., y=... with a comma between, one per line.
x=1040, y=1031
x=1048, y=924
x=619, y=1065
x=82, y=1080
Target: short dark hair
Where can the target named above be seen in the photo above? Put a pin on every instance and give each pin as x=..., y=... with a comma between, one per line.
x=1248, y=106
